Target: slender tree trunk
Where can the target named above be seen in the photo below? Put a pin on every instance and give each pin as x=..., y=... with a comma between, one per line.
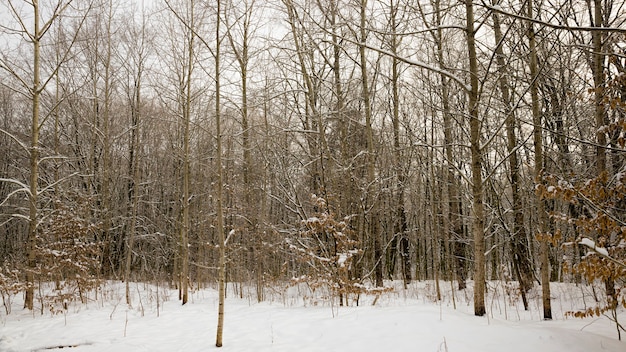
x=133, y=190
x=478, y=226
x=542, y=216
x=600, y=113
x=220, y=190
x=250, y=194
x=400, y=225
x=339, y=95
x=434, y=214
x=110, y=242
x=454, y=200
x=184, y=234
x=371, y=205
x=31, y=241
x=521, y=255
x=57, y=95
x=598, y=82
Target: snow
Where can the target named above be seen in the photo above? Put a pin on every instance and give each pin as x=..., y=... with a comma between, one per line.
x=603, y=129
x=591, y=244
x=342, y=259
x=312, y=220
x=602, y=251
x=565, y=185
x=587, y=242
x=404, y=320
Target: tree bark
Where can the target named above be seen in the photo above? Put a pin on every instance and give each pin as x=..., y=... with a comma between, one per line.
x=220, y=189
x=186, y=196
x=542, y=216
x=454, y=200
x=371, y=208
x=519, y=247
x=110, y=263
x=31, y=240
x=478, y=226
x=133, y=160
x=400, y=224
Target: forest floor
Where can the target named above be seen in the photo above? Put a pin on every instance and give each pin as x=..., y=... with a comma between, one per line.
x=290, y=320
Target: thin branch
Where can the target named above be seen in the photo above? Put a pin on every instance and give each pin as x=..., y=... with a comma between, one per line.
x=19, y=20
x=411, y=62
x=56, y=183
x=5, y=66
x=66, y=53
x=56, y=13
x=6, y=199
x=499, y=9
x=27, y=149
x=14, y=181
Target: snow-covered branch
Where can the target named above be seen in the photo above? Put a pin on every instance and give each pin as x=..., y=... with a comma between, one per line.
x=23, y=187
x=601, y=251
x=14, y=138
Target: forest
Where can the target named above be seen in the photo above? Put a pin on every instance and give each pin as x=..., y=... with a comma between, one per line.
x=337, y=143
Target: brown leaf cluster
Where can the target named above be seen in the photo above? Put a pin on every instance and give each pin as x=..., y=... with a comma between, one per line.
x=602, y=220
x=68, y=256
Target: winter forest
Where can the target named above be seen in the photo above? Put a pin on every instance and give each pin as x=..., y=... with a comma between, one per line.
x=351, y=147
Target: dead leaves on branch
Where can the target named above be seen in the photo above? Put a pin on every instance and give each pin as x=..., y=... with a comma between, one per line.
x=601, y=222
x=68, y=256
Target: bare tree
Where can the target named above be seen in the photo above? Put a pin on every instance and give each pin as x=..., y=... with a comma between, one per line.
x=136, y=47
x=32, y=84
x=401, y=226
x=539, y=168
x=478, y=226
x=370, y=206
x=220, y=185
x=521, y=263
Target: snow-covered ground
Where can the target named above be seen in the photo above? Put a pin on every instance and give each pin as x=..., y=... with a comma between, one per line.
x=404, y=320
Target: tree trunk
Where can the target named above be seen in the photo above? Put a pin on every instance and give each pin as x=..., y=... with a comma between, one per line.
x=31, y=240
x=111, y=254
x=600, y=114
x=133, y=167
x=542, y=216
x=371, y=208
x=454, y=200
x=519, y=247
x=186, y=196
x=400, y=225
x=478, y=226
x=220, y=190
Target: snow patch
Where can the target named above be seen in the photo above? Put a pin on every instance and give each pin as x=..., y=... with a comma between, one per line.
x=405, y=320
x=342, y=259
x=587, y=242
